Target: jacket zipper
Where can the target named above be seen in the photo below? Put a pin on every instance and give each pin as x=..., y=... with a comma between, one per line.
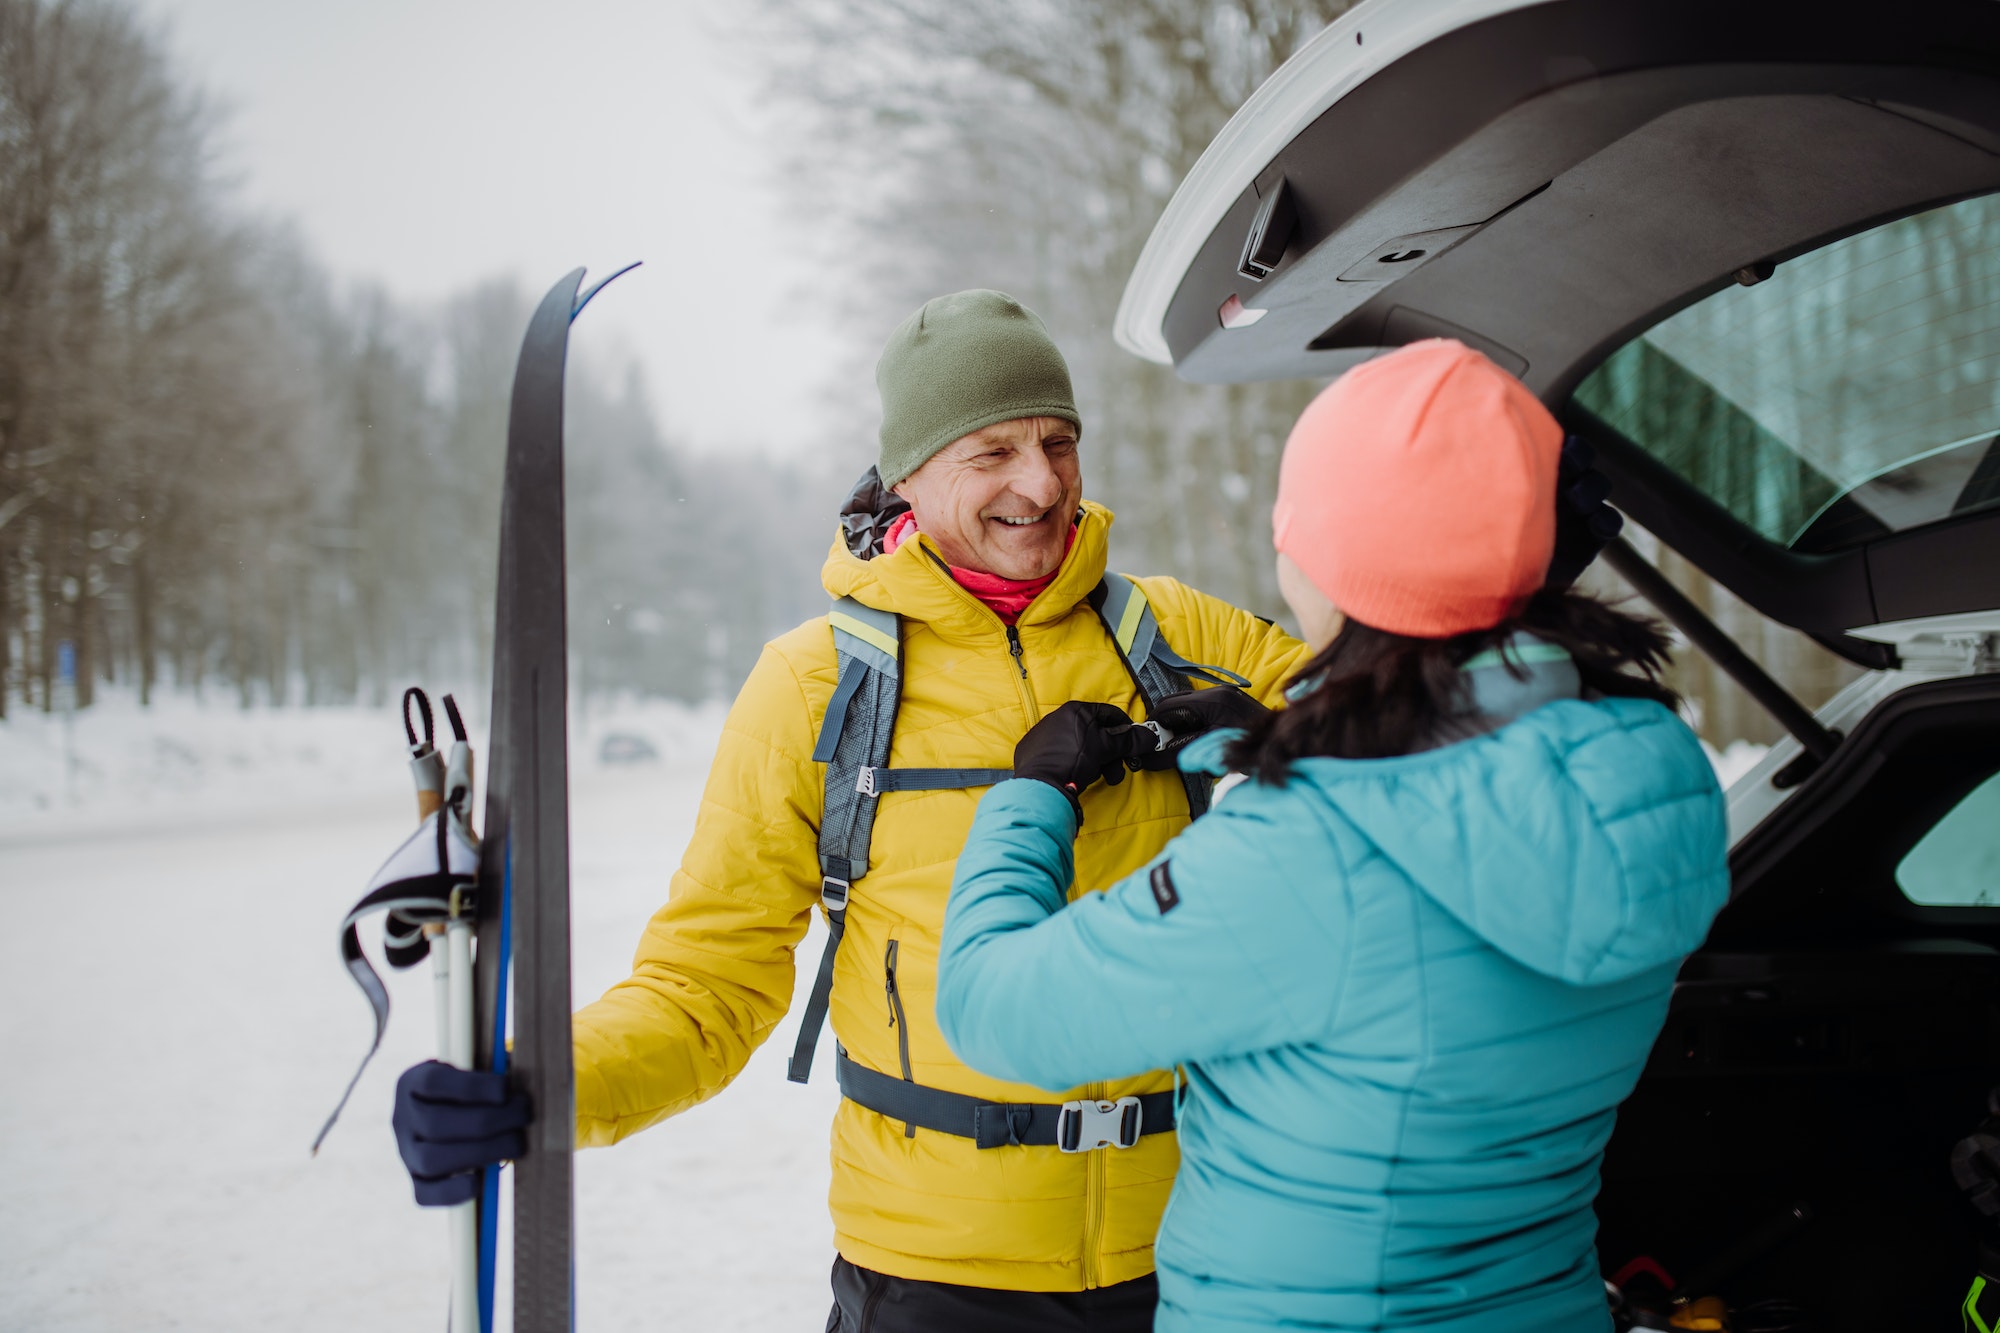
x=1029, y=707
x=1021, y=665
x=1014, y=647
x=1095, y=1188
x=898, y=1020
x=1094, y=1184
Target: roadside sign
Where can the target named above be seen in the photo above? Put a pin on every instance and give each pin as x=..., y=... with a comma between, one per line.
x=65, y=703
x=65, y=682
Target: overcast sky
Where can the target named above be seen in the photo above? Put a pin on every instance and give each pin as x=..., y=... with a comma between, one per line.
x=429, y=144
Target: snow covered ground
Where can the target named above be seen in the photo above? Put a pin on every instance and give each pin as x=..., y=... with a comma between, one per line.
x=175, y=1023
x=1734, y=759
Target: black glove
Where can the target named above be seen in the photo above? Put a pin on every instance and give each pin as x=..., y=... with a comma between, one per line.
x=1192, y=713
x=1078, y=744
x=450, y=1123
x=1585, y=524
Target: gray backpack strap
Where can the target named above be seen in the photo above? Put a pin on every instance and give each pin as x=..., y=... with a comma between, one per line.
x=854, y=737
x=1158, y=669
x=854, y=746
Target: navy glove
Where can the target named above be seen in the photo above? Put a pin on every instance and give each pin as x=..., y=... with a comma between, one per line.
x=451, y=1123
x=1585, y=524
x=1192, y=713
x=1078, y=744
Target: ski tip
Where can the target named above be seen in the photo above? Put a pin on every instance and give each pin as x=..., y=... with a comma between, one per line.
x=599, y=286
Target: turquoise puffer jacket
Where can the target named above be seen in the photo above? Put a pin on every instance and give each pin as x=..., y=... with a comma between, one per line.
x=1408, y=994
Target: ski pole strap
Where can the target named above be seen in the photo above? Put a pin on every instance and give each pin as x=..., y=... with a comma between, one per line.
x=408, y=904
x=1071, y=1126
x=416, y=696
x=415, y=885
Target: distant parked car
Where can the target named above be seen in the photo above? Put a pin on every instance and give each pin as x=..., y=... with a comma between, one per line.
x=624, y=747
x=1751, y=252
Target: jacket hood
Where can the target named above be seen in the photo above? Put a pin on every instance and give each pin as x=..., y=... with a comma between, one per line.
x=1586, y=841
x=914, y=582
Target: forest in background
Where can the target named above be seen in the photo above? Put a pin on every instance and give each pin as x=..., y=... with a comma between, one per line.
x=221, y=467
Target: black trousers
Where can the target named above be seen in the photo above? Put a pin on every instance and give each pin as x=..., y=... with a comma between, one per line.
x=865, y=1301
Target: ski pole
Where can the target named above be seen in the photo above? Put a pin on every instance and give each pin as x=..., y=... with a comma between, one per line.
x=444, y=790
x=455, y=1024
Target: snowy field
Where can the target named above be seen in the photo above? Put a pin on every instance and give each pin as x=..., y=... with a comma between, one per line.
x=175, y=1023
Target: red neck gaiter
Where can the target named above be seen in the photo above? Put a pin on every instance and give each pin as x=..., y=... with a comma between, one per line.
x=1006, y=598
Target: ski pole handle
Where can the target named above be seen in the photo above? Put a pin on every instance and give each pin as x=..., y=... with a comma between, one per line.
x=427, y=770
x=426, y=764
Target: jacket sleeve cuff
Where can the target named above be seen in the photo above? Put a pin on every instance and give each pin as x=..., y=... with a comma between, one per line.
x=1060, y=812
x=1203, y=754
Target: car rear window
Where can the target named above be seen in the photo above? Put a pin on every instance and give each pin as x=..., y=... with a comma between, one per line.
x=1850, y=394
x=1957, y=863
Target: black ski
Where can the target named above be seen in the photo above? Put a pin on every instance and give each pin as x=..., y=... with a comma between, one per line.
x=524, y=869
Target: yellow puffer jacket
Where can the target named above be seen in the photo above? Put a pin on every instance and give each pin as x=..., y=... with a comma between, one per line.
x=714, y=972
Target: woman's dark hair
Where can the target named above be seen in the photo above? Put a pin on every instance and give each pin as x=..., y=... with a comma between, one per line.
x=1376, y=694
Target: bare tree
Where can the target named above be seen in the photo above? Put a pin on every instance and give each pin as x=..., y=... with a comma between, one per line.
x=117, y=294
x=215, y=466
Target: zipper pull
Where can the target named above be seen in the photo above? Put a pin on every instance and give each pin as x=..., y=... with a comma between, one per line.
x=889, y=980
x=1014, y=647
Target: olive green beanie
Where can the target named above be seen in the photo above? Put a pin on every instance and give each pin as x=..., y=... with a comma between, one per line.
x=960, y=364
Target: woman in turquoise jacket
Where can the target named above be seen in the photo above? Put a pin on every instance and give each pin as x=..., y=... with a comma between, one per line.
x=1412, y=966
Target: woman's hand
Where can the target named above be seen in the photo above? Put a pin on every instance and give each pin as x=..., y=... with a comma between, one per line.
x=1585, y=524
x=1078, y=744
x=1194, y=713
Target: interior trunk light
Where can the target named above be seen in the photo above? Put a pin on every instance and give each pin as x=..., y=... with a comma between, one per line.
x=1235, y=315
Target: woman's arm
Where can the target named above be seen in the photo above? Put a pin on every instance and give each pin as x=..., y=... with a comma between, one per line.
x=1230, y=943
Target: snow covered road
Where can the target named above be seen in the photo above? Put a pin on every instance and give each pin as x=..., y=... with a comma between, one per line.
x=175, y=1023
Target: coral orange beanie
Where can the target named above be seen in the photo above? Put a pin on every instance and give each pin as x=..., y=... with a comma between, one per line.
x=1418, y=491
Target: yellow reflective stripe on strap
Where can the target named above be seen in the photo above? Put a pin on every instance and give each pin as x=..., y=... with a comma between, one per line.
x=1128, y=624
x=1973, y=1323
x=868, y=634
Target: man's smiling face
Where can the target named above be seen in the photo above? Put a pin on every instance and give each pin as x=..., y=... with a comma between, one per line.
x=1000, y=500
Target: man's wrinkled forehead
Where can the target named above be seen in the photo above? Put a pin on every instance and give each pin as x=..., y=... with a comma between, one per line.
x=1020, y=430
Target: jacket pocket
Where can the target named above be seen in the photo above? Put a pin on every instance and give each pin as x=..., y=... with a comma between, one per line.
x=898, y=1020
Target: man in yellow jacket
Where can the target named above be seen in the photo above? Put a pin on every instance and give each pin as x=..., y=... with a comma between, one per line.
x=977, y=542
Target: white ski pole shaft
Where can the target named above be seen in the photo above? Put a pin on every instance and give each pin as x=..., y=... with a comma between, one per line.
x=456, y=1019
x=441, y=990
x=464, y=1216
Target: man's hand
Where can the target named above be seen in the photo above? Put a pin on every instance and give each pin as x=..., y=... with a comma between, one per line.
x=1193, y=713
x=1078, y=744
x=451, y=1123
